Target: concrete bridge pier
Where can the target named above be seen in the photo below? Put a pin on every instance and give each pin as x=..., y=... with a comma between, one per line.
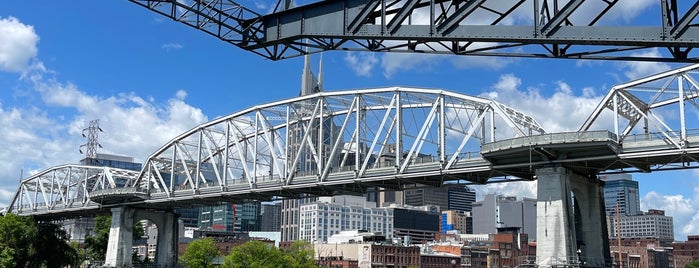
x=571, y=221
x=119, y=248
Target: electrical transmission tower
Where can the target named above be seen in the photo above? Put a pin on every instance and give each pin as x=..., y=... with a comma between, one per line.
x=91, y=133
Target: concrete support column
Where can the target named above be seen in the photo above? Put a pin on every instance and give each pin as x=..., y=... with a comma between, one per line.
x=570, y=217
x=119, y=247
x=591, y=228
x=166, y=252
x=166, y=248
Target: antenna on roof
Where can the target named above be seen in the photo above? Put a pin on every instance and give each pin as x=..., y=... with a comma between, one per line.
x=92, y=131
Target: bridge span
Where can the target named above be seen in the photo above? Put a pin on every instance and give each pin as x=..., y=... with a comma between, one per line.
x=339, y=142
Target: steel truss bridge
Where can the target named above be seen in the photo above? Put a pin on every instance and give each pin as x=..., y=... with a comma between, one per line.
x=394, y=138
x=569, y=29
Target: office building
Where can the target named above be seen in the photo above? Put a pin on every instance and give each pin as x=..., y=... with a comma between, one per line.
x=332, y=215
x=652, y=224
x=271, y=216
x=497, y=211
x=447, y=197
x=454, y=220
x=621, y=190
x=460, y=198
x=237, y=218
x=298, y=148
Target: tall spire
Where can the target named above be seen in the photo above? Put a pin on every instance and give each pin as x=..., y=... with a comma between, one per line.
x=309, y=83
x=320, y=73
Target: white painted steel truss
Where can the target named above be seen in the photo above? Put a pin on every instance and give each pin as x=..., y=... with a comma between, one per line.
x=66, y=187
x=330, y=133
x=652, y=108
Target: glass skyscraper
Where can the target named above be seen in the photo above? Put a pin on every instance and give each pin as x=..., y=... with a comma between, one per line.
x=621, y=189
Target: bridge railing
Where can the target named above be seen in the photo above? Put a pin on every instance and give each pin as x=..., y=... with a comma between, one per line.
x=548, y=138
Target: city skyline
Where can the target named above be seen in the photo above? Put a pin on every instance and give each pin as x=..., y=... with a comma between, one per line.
x=141, y=74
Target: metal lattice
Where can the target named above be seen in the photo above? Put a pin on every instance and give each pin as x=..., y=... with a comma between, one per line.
x=570, y=29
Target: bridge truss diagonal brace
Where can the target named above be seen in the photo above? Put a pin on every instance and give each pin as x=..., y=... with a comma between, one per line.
x=380, y=26
x=65, y=187
x=625, y=101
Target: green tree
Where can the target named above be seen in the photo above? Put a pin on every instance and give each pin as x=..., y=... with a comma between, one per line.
x=7, y=257
x=138, y=230
x=300, y=255
x=16, y=237
x=256, y=254
x=693, y=264
x=96, y=245
x=200, y=253
x=55, y=251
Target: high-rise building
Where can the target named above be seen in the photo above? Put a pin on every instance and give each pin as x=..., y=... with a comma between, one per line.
x=461, y=198
x=621, y=190
x=447, y=197
x=297, y=147
x=219, y=218
x=290, y=217
x=247, y=217
x=231, y=217
x=497, y=211
x=653, y=223
x=332, y=215
x=427, y=196
x=271, y=216
x=454, y=220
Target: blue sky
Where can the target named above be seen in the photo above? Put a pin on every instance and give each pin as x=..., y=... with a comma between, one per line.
x=148, y=79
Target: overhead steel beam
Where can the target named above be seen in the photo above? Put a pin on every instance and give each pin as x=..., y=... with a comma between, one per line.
x=558, y=19
x=380, y=26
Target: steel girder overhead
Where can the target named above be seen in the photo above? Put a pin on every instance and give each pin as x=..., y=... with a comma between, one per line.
x=67, y=188
x=328, y=140
x=570, y=29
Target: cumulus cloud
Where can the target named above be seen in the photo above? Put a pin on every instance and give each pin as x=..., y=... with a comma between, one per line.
x=48, y=133
x=18, y=46
x=635, y=69
x=684, y=211
x=361, y=63
x=683, y=207
x=518, y=189
x=564, y=110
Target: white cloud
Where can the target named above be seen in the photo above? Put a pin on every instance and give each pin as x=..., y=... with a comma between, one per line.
x=18, y=46
x=562, y=111
x=361, y=63
x=49, y=132
x=518, y=189
x=684, y=211
x=637, y=69
x=171, y=46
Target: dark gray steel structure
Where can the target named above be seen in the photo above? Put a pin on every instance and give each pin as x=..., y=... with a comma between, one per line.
x=570, y=29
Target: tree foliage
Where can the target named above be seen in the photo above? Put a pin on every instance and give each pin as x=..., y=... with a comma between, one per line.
x=25, y=243
x=300, y=254
x=257, y=254
x=54, y=240
x=200, y=253
x=693, y=264
x=17, y=233
x=96, y=245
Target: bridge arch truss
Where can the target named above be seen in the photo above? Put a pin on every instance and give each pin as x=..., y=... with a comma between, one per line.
x=359, y=137
x=67, y=188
